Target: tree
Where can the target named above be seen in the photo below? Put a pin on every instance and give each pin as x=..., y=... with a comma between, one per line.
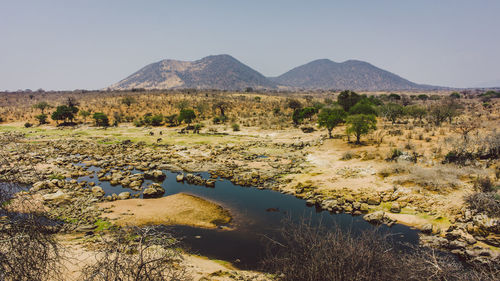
x=156, y=120
x=128, y=101
x=84, y=114
x=72, y=102
x=64, y=113
x=423, y=97
x=392, y=111
x=308, y=112
x=330, y=117
x=222, y=106
x=42, y=106
x=294, y=104
x=348, y=99
x=416, y=111
x=360, y=124
x=42, y=118
x=101, y=119
x=394, y=97
x=364, y=106
x=186, y=115
x=447, y=109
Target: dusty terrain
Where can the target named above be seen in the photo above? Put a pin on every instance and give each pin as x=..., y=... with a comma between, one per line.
x=397, y=171
x=177, y=209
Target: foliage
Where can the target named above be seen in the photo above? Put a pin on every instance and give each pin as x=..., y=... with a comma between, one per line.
x=101, y=119
x=64, y=113
x=157, y=120
x=330, y=117
x=42, y=106
x=364, y=106
x=28, y=125
x=392, y=111
x=236, y=127
x=42, y=118
x=348, y=99
x=360, y=124
x=187, y=115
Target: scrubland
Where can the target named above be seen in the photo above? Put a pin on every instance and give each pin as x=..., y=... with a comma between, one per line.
x=431, y=161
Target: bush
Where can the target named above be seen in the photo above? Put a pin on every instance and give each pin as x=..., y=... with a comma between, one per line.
x=28, y=124
x=304, y=253
x=236, y=127
x=157, y=120
x=101, y=119
x=394, y=154
x=42, y=118
x=484, y=184
x=484, y=202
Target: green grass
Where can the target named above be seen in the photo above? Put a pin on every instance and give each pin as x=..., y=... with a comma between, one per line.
x=102, y=225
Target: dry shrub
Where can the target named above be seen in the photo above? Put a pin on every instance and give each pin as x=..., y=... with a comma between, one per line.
x=137, y=254
x=28, y=247
x=307, y=253
x=437, y=178
x=484, y=202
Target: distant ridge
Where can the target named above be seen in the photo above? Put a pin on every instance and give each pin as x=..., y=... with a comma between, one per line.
x=213, y=72
x=227, y=73
x=351, y=74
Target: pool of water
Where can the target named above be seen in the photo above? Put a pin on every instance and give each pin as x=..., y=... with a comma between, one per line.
x=257, y=214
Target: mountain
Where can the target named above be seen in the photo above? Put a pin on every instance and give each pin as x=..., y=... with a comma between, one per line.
x=351, y=74
x=213, y=72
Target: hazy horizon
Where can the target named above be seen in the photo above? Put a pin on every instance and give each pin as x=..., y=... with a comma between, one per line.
x=58, y=45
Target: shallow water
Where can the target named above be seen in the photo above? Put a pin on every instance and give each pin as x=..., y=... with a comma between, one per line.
x=257, y=214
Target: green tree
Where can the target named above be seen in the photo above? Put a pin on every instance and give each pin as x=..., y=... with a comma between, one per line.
x=42, y=118
x=360, y=124
x=392, y=111
x=64, y=113
x=84, y=114
x=187, y=115
x=348, y=99
x=101, y=119
x=364, y=106
x=42, y=106
x=156, y=120
x=330, y=117
x=416, y=111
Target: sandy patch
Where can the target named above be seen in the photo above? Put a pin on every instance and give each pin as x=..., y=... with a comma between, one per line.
x=179, y=208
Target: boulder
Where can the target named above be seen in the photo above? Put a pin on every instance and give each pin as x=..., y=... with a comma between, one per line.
x=395, y=208
x=373, y=200
x=364, y=207
x=180, y=177
x=97, y=191
x=57, y=197
x=153, y=191
x=124, y=195
x=155, y=175
x=375, y=217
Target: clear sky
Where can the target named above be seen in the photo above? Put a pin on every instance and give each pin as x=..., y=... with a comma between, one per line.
x=90, y=44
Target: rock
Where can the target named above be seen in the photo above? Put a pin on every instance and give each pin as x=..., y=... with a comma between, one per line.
x=98, y=191
x=210, y=183
x=39, y=186
x=179, y=177
x=395, y=208
x=375, y=217
x=124, y=195
x=57, y=197
x=153, y=191
x=364, y=207
x=155, y=174
x=427, y=228
x=356, y=205
x=456, y=245
x=373, y=200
